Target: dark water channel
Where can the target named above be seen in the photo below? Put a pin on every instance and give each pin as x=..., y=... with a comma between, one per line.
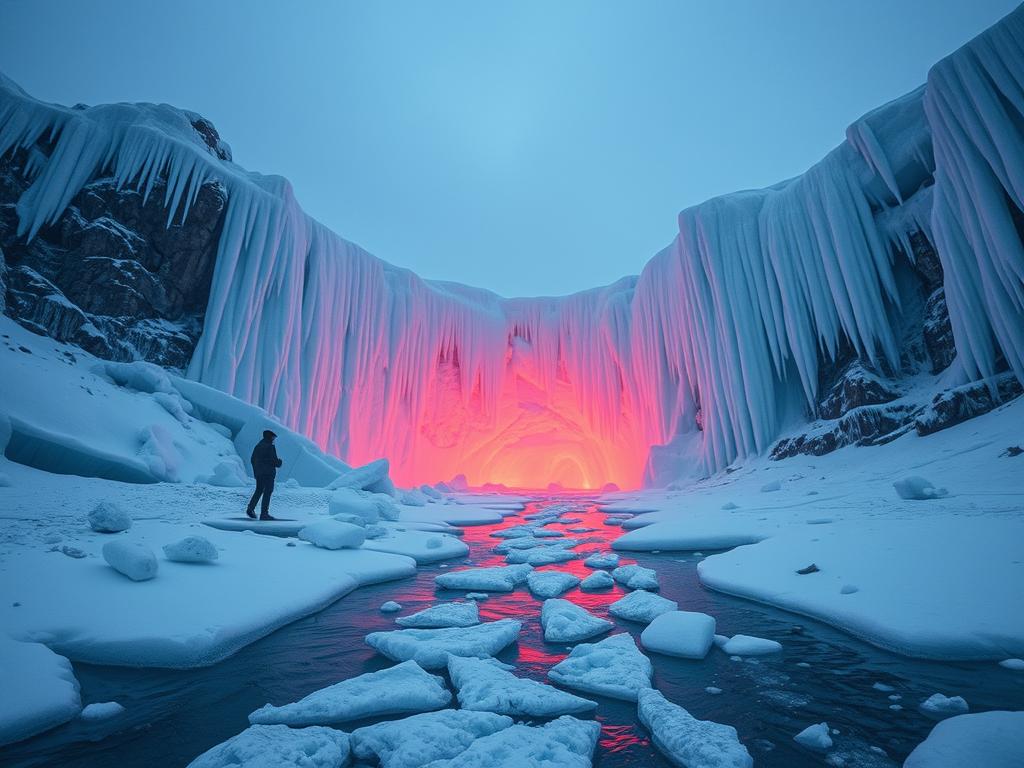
x=822, y=674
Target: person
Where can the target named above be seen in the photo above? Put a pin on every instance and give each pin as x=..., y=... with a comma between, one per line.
x=264, y=468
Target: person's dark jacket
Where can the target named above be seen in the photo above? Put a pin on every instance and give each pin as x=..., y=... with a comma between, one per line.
x=264, y=459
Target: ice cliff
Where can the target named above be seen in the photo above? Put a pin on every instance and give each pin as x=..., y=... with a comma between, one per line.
x=723, y=341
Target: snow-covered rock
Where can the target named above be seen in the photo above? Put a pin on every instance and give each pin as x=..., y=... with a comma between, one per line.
x=347, y=501
x=484, y=686
x=989, y=739
x=746, y=645
x=371, y=477
x=134, y=560
x=613, y=667
x=565, y=622
x=641, y=606
x=191, y=549
x=454, y=614
x=687, y=634
x=395, y=690
x=565, y=743
x=815, y=737
x=98, y=711
x=416, y=741
x=636, y=577
x=602, y=560
x=597, y=580
x=496, y=579
x=39, y=690
x=917, y=488
x=278, y=746
x=545, y=584
x=227, y=474
x=939, y=706
x=333, y=534
x=108, y=517
x=687, y=741
x=430, y=647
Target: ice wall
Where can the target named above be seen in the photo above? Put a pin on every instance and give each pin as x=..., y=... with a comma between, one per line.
x=713, y=347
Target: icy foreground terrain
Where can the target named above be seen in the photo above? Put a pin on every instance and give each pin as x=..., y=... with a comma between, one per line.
x=719, y=343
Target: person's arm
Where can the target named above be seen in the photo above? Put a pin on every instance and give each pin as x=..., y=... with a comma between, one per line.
x=252, y=459
x=277, y=461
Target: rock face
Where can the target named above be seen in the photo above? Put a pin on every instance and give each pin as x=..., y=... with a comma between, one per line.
x=110, y=275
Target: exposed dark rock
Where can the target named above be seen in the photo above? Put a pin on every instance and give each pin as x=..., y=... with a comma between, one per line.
x=867, y=425
x=957, y=405
x=938, y=333
x=1013, y=451
x=209, y=135
x=926, y=261
x=855, y=386
x=812, y=568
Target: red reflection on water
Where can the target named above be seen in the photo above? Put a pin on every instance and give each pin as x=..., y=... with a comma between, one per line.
x=618, y=738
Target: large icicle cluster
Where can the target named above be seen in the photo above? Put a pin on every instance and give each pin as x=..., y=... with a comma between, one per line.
x=713, y=348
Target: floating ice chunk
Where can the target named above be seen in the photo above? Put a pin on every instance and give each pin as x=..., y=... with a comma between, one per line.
x=108, y=517
x=774, y=485
x=545, y=584
x=745, y=645
x=334, y=534
x=687, y=741
x=263, y=746
x=1017, y=665
x=882, y=687
x=515, y=532
x=565, y=622
x=613, y=667
x=484, y=686
x=477, y=596
x=541, y=556
x=545, y=533
x=430, y=647
x=642, y=606
x=191, y=549
x=713, y=690
x=39, y=690
x=456, y=614
x=399, y=689
x=415, y=741
x=134, y=560
x=917, y=488
x=939, y=706
x=815, y=737
x=687, y=634
x=565, y=743
x=390, y=607
x=497, y=579
x=104, y=710
x=602, y=560
x=597, y=580
x=636, y=577
x=989, y=739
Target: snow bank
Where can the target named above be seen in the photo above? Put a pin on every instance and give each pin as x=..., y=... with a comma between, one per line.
x=413, y=742
x=642, y=606
x=496, y=579
x=990, y=739
x=402, y=688
x=565, y=622
x=680, y=633
x=39, y=690
x=484, y=686
x=263, y=746
x=565, y=742
x=544, y=584
x=333, y=534
x=687, y=741
x=456, y=614
x=612, y=667
x=430, y=647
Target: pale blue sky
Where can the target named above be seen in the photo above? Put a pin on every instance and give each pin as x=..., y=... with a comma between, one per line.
x=527, y=147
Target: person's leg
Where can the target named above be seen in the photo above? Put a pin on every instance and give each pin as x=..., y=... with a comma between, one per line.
x=251, y=509
x=268, y=489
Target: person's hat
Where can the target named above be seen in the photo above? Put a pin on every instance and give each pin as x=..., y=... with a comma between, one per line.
x=268, y=433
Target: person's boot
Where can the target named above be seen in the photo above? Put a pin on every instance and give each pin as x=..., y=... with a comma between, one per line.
x=251, y=513
x=267, y=516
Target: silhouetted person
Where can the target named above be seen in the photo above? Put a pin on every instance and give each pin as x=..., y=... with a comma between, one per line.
x=264, y=467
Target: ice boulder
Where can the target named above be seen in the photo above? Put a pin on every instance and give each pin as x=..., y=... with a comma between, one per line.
x=191, y=549
x=134, y=560
x=636, y=577
x=565, y=743
x=597, y=580
x=101, y=710
x=396, y=690
x=747, y=645
x=989, y=739
x=262, y=746
x=544, y=584
x=390, y=607
x=108, y=517
x=917, y=488
x=641, y=606
x=612, y=667
x=602, y=560
x=485, y=686
x=333, y=534
x=455, y=614
x=687, y=741
x=413, y=498
x=421, y=739
x=347, y=501
x=373, y=477
x=815, y=737
x=687, y=634
x=497, y=579
x=565, y=622
x=227, y=474
x=430, y=647
x=939, y=706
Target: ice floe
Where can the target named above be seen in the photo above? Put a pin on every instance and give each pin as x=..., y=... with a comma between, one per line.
x=416, y=741
x=565, y=622
x=545, y=584
x=454, y=614
x=641, y=606
x=687, y=634
x=687, y=741
x=636, y=577
x=565, y=743
x=485, y=686
x=278, y=746
x=496, y=579
x=746, y=645
x=39, y=690
x=989, y=739
x=597, y=580
x=613, y=667
x=430, y=647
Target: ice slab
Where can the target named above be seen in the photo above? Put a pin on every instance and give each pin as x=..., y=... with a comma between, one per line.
x=641, y=606
x=636, y=577
x=278, y=746
x=687, y=634
x=484, y=686
x=39, y=690
x=990, y=739
x=415, y=741
x=613, y=667
x=545, y=584
x=455, y=614
x=597, y=580
x=687, y=741
x=746, y=645
x=430, y=647
x=565, y=743
x=565, y=622
x=496, y=579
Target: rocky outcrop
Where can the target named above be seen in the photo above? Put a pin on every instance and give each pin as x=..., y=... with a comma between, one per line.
x=111, y=275
x=867, y=425
x=962, y=403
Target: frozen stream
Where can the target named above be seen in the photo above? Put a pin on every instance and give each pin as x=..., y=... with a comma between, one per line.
x=172, y=716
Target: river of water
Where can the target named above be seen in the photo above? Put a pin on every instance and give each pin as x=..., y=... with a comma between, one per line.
x=822, y=674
